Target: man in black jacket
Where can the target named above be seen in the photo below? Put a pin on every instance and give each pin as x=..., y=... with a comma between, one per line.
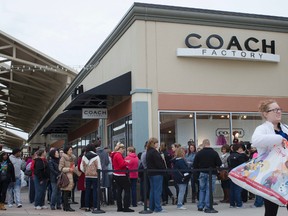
x=204, y=159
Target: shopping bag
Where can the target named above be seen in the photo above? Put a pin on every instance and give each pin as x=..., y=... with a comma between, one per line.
x=266, y=175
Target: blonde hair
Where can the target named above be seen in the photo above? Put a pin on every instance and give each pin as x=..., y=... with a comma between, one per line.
x=118, y=146
x=264, y=106
x=180, y=152
x=206, y=142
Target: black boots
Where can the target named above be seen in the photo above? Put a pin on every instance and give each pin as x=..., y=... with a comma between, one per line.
x=66, y=205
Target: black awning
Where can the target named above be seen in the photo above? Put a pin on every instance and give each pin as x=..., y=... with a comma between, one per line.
x=100, y=96
x=64, y=122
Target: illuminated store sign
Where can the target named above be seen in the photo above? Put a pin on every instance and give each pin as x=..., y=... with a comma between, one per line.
x=254, y=49
x=94, y=113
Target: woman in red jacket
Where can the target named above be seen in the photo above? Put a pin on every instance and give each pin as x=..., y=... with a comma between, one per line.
x=133, y=163
x=121, y=178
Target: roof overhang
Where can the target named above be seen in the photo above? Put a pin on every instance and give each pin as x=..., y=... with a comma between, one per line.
x=30, y=82
x=103, y=96
x=10, y=139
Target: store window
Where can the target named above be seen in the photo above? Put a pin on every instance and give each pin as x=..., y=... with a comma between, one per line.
x=81, y=142
x=120, y=131
x=177, y=127
x=219, y=128
x=213, y=126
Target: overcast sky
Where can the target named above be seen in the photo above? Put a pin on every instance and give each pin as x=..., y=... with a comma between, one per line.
x=71, y=31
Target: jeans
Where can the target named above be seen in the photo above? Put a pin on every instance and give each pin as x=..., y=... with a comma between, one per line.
x=259, y=201
x=56, y=197
x=91, y=182
x=155, y=193
x=204, y=193
x=31, y=189
x=235, y=195
x=40, y=191
x=14, y=188
x=182, y=190
x=134, y=191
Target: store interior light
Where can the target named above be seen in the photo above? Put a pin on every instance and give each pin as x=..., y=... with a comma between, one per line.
x=191, y=116
x=169, y=131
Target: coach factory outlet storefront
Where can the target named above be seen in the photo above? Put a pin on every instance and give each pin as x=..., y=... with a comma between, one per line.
x=177, y=74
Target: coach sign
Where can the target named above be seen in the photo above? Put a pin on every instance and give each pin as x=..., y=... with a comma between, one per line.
x=214, y=47
x=94, y=113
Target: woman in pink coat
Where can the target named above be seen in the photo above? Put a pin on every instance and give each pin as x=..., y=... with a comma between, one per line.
x=133, y=163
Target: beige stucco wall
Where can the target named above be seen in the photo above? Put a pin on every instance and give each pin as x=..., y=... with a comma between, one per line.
x=148, y=49
x=215, y=76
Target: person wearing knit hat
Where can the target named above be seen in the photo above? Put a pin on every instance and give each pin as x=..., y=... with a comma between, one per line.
x=7, y=175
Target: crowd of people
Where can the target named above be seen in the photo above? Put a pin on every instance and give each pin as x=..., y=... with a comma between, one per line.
x=121, y=170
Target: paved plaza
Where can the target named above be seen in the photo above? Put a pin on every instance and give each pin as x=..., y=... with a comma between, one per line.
x=224, y=210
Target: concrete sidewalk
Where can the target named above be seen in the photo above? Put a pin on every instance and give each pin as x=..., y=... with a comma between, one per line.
x=224, y=210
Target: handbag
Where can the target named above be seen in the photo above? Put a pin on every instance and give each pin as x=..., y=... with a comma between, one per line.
x=63, y=180
x=185, y=176
x=222, y=175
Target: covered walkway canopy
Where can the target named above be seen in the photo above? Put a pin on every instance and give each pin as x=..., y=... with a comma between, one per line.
x=10, y=139
x=105, y=95
x=30, y=82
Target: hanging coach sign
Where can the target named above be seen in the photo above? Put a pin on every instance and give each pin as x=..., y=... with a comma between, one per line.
x=94, y=113
x=255, y=50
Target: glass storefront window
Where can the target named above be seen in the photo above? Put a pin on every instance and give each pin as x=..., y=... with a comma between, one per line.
x=120, y=131
x=213, y=126
x=244, y=125
x=219, y=128
x=177, y=127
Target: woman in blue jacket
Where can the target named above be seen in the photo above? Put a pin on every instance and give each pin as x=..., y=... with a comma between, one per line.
x=181, y=176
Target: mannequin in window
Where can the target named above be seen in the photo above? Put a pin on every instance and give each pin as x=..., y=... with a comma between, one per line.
x=235, y=135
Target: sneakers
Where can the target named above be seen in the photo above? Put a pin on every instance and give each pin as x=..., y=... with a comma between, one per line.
x=10, y=205
x=140, y=203
x=44, y=207
x=181, y=208
x=19, y=206
x=38, y=208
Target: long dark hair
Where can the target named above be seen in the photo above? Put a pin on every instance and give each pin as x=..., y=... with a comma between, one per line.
x=189, y=145
x=2, y=155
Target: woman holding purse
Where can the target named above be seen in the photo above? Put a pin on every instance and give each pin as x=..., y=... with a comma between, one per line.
x=67, y=166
